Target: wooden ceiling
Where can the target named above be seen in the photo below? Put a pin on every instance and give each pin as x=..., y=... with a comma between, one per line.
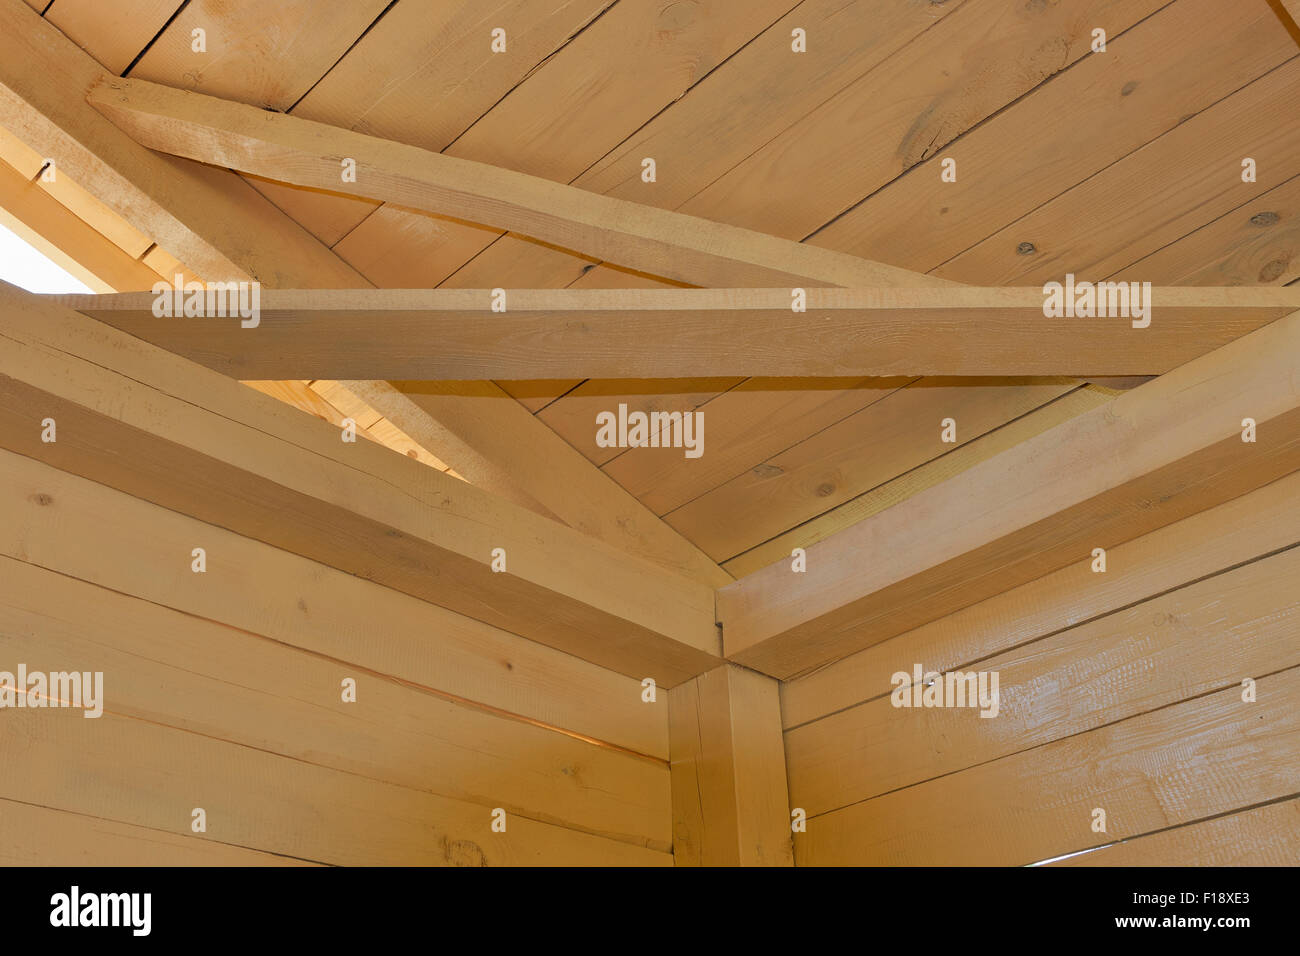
x=1125, y=163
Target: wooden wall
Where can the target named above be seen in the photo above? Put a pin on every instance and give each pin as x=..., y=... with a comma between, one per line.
x=1120, y=691
x=223, y=691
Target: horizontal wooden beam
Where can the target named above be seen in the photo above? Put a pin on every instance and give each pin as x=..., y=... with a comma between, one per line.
x=305, y=153
x=1156, y=454
x=453, y=334
x=143, y=421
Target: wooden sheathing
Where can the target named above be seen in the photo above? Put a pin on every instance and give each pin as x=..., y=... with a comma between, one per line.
x=1123, y=690
x=728, y=771
x=253, y=467
x=1158, y=453
x=222, y=690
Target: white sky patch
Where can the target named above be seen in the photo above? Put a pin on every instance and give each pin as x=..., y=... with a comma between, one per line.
x=23, y=266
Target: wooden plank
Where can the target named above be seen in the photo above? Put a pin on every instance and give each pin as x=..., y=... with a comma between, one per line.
x=1180, y=764
x=96, y=534
x=168, y=668
x=1181, y=644
x=1158, y=453
x=217, y=454
x=39, y=836
x=908, y=483
x=1197, y=547
x=845, y=459
x=1263, y=836
x=59, y=235
x=1181, y=59
x=113, y=33
x=305, y=153
x=500, y=438
x=453, y=334
x=147, y=775
x=728, y=771
x=44, y=79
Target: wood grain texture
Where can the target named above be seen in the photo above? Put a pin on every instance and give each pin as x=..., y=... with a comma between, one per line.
x=218, y=457
x=1158, y=453
x=1180, y=764
x=728, y=771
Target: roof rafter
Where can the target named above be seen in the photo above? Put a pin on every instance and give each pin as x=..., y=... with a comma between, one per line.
x=306, y=153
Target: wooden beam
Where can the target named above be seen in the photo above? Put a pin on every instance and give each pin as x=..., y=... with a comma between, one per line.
x=221, y=228
x=146, y=422
x=305, y=153
x=1156, y=454
x=730, y=806
x=452, y=334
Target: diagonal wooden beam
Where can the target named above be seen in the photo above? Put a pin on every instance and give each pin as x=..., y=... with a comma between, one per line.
x=222, y=229
x=1157, y=454
x=305, y=153
x=453, y=334
x=158, y=427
